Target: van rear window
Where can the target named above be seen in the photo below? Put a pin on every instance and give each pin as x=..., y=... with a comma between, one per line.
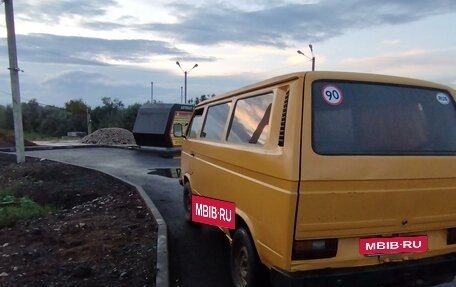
x=379, y=119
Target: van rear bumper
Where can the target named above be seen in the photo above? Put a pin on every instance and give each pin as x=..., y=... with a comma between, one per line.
x=433, y=270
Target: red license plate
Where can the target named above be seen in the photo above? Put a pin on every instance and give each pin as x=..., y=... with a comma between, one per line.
x=213, y=212
x=393, y=245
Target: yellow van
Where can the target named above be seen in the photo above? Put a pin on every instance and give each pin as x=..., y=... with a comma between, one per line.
x=338, y=179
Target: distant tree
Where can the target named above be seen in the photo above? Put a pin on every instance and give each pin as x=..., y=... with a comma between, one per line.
x=108, y=115
x=201, y=98
x=115, y=104
x=129, y=116
x=31, y=115
x=76, y=106
x=9, y=117
x=54, y=121
x=3, y=118
x=77, y=110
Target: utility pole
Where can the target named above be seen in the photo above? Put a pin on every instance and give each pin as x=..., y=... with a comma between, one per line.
x=151, y=92
x=89, y=122
x=14, y=75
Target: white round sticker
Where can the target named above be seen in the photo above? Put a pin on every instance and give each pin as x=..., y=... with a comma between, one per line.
x=332, y=95
x=442, y=98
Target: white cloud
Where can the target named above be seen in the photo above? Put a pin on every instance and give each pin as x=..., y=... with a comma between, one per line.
x=212, y=23
x=391, y=42
x=73, y=49
x=428, y=64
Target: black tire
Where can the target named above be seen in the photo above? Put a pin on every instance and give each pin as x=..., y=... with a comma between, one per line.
x=244, y=261
x=187, y=200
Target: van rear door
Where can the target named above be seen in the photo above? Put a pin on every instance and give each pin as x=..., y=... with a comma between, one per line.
x=379, y=160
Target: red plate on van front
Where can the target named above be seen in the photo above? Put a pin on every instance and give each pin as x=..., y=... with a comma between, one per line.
x=393, y=245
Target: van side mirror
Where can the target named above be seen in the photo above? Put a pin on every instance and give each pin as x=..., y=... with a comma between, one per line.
x=178, y=131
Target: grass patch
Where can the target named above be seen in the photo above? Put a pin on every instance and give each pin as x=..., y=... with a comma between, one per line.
x=34, y=136
x=13, y=209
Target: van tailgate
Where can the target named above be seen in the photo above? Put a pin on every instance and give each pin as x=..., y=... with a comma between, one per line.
x=340, y=209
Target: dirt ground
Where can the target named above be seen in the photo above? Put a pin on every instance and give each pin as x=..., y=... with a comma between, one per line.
x=7, y=140
x=102, y=234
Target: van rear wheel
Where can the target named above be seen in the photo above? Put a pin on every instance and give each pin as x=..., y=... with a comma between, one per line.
x=244, y=262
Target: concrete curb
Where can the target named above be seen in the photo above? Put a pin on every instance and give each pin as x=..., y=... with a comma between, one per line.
x=49, y=147
x=162, y=275
x=161, y=151
x=35, y=148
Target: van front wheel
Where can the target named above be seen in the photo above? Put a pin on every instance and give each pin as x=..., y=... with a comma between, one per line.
x=244, y=261
x=187, y=199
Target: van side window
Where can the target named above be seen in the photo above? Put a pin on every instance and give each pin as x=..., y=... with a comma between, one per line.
x=214, y=125
x=250, y=124
x=195, y=124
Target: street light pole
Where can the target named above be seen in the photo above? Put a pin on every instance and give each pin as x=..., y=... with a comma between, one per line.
x=181, y=94
x=311, y=59
x=185, y=79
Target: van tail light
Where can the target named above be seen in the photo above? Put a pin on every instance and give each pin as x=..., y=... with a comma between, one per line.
x=451, y=237
x=314, y=249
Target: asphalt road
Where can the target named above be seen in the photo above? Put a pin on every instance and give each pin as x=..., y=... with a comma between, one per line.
x=198, y=255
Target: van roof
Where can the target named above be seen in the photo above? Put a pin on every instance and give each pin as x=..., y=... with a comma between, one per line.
x=328, y=75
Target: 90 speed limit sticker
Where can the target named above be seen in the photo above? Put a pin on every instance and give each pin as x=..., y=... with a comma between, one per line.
x=332, y=95
x=442, y=98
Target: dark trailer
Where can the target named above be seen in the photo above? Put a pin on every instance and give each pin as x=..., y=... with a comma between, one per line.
x=154, y=124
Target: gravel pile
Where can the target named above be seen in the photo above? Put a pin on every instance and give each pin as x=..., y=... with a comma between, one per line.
x=110, y=136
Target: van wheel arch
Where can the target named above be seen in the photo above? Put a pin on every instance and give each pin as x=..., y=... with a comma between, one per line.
x=186, y=179
x=240, y=222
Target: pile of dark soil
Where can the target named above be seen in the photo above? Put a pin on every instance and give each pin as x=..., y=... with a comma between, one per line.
x=101, y=235
x=7, y=140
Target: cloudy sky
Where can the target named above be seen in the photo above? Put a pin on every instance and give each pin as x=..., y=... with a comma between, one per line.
x=71, y=49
